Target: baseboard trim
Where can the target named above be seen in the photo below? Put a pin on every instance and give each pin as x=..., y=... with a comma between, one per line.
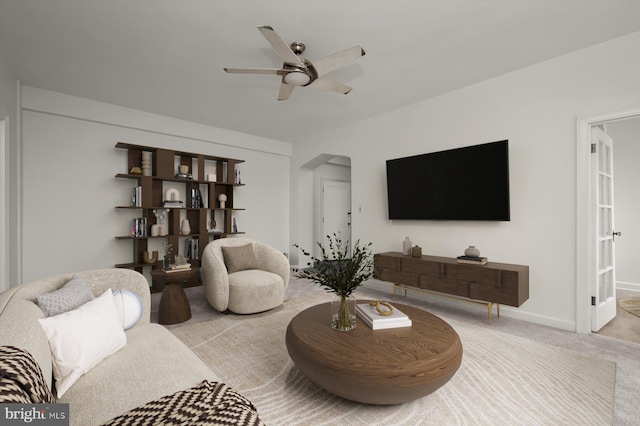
x=627, y=286
x=505, y=311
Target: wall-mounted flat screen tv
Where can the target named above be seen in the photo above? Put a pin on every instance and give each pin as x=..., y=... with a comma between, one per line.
x=469, y=183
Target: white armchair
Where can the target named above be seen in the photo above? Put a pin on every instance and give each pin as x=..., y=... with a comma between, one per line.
x=243, y=275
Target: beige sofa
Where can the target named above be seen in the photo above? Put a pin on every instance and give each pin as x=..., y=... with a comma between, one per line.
x=154, y=363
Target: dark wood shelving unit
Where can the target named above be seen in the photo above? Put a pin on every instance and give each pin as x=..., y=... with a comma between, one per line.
x=164, y=164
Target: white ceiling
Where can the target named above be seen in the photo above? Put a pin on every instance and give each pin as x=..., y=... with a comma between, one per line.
x=167, y=56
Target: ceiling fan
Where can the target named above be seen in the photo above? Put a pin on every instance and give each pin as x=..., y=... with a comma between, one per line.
x=298, y=71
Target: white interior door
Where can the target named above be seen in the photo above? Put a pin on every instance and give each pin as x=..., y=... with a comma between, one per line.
x=336, y=209
x=603, y=299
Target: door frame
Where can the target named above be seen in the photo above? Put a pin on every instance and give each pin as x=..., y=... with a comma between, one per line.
x=585, y=223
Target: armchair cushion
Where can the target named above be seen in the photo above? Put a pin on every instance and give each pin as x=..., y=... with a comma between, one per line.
x=239, y=258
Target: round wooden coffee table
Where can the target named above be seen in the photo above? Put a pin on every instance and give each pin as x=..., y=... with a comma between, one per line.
x=382, y=367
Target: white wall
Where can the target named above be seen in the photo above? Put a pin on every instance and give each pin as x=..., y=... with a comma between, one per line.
x=9, y=170
x=536, y=109
x=626, y=159
x=70, y=190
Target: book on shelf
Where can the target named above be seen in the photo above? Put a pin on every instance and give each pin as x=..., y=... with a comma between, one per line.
x=167, y=203
x=369, y=314
x=472, y=260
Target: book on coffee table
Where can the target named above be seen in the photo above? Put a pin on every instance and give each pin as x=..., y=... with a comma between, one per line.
x=369, y=314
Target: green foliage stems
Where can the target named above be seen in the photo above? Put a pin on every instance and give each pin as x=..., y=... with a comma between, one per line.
x=334, y=270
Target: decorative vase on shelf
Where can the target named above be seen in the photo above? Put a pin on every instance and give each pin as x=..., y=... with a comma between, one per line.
x=185, y=228
x=472, y=251
x=343, y=313
x=166, y=262
x=406, y=246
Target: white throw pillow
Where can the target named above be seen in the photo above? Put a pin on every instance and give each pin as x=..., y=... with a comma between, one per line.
x=81, y=338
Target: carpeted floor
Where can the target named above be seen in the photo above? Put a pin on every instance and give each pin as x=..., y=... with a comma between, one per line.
x=631, y=305
x=626, y=355
x=503, y=380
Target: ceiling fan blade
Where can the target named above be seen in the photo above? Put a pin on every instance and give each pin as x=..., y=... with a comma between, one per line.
x=254, y=71
x=282, y=49
x=285, y=91
x=338, y=60
x=330, y=86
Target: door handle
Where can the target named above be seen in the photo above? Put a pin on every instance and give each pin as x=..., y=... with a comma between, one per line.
x=619, y=234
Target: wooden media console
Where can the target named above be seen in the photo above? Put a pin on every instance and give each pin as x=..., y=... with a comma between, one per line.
x=489, y=284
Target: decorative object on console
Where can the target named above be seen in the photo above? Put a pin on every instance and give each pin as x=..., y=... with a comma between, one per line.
x=406, y=246
x=472, y=251
x=416, y=251
x=472, y=260
x=340, y=274
x=222, y=198
x=150, y=257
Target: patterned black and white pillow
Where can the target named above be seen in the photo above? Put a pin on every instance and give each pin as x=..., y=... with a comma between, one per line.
x=21, y=379
x=208, y=404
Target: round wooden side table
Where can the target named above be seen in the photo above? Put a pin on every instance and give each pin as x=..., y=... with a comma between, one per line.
x=174, y=304
x=381, y=367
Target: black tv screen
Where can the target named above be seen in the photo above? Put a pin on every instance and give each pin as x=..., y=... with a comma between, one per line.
x=469, y=183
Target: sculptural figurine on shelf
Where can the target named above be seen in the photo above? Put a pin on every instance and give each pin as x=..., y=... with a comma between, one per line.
x=161, y=217
x=222, y=198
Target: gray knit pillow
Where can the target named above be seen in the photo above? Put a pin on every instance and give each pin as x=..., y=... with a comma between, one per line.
x=72, y=295
x=239, y=258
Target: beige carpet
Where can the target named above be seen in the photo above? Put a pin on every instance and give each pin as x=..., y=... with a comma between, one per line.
x=631, y=305
x=503, y=379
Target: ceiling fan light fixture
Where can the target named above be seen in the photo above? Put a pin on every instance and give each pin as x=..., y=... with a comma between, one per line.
x=297, y=78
